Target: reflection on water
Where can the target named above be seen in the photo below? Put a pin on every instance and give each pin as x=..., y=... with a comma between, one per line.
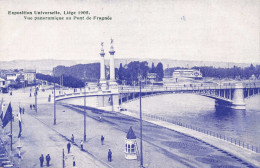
x=201, y=112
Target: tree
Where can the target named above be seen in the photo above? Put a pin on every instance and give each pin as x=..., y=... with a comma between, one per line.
x=144, y=69
x=159, y=71
x=153, y=69
x=121, y=72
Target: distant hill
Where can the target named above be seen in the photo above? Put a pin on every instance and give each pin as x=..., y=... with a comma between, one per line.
x=45, y=66
x=168, y=63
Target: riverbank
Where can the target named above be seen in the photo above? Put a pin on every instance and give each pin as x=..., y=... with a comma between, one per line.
x=242, y=153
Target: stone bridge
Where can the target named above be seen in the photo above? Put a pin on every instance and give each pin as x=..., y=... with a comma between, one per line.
x=228, y=95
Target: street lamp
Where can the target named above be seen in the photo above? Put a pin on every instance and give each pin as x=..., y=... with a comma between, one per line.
x=85, y=106
x=54, y=97
x=35, y=92
x=141, y=124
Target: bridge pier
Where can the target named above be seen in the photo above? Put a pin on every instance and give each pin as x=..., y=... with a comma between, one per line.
x=238, y=101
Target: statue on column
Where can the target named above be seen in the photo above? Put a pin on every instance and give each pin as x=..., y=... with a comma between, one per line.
x=111, y=42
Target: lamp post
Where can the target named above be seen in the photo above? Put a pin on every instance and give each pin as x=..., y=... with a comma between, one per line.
x=54, y=98
x=141, y=123
x=35, y=93
x=84, y=106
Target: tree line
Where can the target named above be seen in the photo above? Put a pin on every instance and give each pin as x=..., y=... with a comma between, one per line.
x=234, y=72
x=68, y=81
x=130, y=73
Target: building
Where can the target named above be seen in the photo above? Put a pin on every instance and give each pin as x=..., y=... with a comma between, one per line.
x=12, y=76
x=186, y=74
x=152, y=77
x=3, y=85
x=29, y=76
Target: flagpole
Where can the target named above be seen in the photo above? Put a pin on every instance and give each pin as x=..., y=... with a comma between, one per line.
x=19, y=136
x=11, y=135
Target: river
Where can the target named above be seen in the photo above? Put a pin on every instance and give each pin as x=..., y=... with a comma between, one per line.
x=199, y=111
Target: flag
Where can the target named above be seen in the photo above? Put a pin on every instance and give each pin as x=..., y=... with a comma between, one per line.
x=8, y=115
x=20, y=124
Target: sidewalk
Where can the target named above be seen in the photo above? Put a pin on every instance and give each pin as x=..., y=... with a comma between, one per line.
x=37, y=138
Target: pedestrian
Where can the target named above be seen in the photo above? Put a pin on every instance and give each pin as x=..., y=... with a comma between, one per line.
x=30, y=106
x=109, y=155
x=30, y=94
x=68, y=147
x=102, y=139
x=81, y=145
x=23, y=110
x=74, y=162
x=41, y=160
x=48, y=158
x=72, y=138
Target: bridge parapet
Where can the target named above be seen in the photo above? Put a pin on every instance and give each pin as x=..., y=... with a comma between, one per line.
x=231, y=95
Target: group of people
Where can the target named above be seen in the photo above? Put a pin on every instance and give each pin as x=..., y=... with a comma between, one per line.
x=32, y=106
x=21, y=110
x=82, y=149
x=48, y=159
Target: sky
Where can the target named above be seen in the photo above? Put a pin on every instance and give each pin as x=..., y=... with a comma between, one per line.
x=201, y=30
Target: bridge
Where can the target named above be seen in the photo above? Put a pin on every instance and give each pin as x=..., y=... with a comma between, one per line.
x=228, y=95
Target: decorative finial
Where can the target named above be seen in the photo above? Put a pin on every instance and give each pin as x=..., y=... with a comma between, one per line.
x=111, y=42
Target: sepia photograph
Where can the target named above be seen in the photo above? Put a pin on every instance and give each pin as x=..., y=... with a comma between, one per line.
x=130, y=84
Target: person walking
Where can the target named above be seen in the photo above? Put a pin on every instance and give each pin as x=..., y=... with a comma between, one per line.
x=72, y=138
x=41, y=160
x=30, y=106
x=48, y=158
x=68, y=147
x=81, y=145
x=74, y=162
x=102, y=139
x=23, y=110
x=109, y=155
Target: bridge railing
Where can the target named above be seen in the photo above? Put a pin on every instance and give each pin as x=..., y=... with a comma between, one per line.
x=226, y=138
x=190, y=86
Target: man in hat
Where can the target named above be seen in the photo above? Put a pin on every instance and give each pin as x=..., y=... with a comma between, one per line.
x=81, y=145
x=72, y=138
x=68, y=147
x=109, y=155
x=41, y=160
x=102, y=139
x=48, y=158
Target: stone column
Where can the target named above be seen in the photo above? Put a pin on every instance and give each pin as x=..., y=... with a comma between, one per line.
x=112, y=81
x=102, y=69
x=112, y=64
